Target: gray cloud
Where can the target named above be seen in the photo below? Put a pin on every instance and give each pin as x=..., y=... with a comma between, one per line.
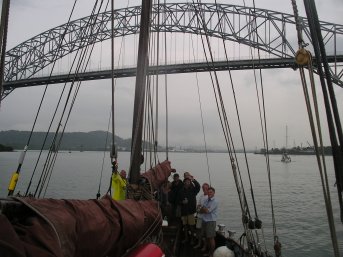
x=283, y=93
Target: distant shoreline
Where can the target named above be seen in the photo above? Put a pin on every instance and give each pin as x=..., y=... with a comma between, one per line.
x=5, y=148
x=179, y=152
x=327, y=151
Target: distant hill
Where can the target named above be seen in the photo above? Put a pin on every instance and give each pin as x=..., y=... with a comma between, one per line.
x=74, y=141
x=4, y=148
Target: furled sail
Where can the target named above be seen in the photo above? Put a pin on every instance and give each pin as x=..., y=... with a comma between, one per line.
x=51, y=227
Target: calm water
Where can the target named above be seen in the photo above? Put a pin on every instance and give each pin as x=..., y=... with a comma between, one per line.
x=297, y=193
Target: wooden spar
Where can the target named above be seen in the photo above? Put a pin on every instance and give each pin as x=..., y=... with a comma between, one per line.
x=138, y=111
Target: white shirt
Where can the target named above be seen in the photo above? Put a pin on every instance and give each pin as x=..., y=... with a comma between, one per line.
x=201, y=202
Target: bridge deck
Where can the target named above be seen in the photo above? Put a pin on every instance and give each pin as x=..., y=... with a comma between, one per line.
x=165, y=69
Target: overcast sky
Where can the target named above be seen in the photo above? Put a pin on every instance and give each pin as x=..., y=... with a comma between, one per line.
x=283, y=93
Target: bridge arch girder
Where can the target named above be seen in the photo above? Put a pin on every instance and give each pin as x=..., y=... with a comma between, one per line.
x=218, y=20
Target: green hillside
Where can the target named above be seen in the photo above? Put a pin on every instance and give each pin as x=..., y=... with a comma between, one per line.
x=74, y=141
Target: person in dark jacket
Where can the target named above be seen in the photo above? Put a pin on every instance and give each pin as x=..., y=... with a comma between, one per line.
x=173, y=197
x=187, y=200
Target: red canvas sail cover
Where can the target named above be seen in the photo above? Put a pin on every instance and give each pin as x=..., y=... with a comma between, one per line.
x=66, y=228
x=159, y=174
x=78, y=227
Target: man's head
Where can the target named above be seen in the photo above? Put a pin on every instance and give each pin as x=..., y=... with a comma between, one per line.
x=211, y=192
x=187, y=175
x=176, y=177
x=205, y=188
x=187, y=182
x=123, y=174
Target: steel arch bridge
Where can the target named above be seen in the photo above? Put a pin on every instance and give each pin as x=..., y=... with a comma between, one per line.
x=258, y=28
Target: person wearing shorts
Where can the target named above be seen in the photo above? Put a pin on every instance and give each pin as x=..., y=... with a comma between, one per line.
x=200, y=203
x=209, y=212
x=187, y=200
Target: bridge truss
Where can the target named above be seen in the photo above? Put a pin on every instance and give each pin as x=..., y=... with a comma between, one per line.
x=258, y=28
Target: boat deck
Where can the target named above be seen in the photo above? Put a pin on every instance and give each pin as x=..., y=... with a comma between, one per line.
x=173, y=246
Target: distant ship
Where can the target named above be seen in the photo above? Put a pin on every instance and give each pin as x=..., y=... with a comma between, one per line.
x=285, y=157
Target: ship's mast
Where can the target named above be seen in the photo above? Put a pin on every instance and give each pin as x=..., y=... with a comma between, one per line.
x=141, y=77
x=286, y=137
x=333, y=120
x=332, y=113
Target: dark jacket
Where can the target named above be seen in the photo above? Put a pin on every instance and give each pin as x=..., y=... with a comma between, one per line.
x=174, y=192
x=190, y=193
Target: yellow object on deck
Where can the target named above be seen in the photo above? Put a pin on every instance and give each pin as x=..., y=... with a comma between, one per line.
x=118, y=187
x=13, y=182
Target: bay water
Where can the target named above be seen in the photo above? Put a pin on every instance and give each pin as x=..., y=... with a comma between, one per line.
x=298, y=204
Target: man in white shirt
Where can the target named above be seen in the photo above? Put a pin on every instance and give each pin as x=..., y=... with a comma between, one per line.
x=200, y=203
x=209, y=217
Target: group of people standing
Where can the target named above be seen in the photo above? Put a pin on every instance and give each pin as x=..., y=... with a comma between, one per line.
x=198, y=216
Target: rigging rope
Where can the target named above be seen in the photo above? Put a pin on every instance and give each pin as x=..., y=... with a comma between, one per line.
x=237, y=113
x=337, y=148
x=228, y=136
x=221, y=112
x=319, y=148
x=202, y=118
x=238, y=117
x=113, y=153
x=49, y=164
x=148, y=138
x=113, y=149
x=329, y=99
x=85, y=65
x=41, y=102
x=150, y=125
x=277, y=245
x=103, y=160
x=157, y=78
x=166, y=82
x=226, y=128
x=303, y=57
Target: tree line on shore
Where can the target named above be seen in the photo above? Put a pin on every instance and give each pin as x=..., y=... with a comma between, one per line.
x=72, y=141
